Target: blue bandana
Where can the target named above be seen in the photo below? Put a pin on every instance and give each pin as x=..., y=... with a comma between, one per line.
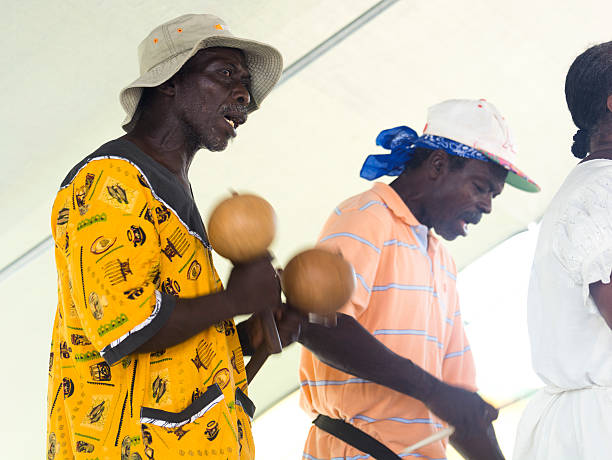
x=402, y=141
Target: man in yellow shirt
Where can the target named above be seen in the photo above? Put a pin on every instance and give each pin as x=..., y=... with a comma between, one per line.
x=146, y=361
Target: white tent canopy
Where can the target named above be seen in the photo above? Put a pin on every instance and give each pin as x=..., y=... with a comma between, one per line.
x=65, y=62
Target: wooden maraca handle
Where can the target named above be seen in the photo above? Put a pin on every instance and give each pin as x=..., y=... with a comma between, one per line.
x=271, y=345
x=272, y=340
x=257, y=360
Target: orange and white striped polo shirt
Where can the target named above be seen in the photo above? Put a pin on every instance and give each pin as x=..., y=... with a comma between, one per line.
x=406, y=297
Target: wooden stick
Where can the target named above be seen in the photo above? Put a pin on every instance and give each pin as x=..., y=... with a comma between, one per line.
x=517, y=399
x=257, y=360
x=271, y=345
x=429, y=439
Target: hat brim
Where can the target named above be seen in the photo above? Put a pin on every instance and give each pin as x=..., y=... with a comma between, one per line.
x=516, y=178
x=264, y=62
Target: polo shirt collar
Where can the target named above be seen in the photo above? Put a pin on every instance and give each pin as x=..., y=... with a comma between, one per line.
x=395, y=203
x=397, y=206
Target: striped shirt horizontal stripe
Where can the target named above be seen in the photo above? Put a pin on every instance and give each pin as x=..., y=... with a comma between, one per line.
x=426, y=421
x=356, y=457
x=457, y=353
x=353, y=236
x=371, y=203
x=400, y=244
x=403, y=287
x=430, y=338
x=366, y=456
x=319, y=383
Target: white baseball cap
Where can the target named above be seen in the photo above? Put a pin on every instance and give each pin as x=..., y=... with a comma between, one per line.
x=478, y=124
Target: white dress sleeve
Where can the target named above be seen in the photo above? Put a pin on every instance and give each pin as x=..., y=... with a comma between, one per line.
x=582, y=238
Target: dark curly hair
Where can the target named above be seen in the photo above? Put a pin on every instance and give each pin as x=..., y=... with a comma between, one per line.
x=587, y=87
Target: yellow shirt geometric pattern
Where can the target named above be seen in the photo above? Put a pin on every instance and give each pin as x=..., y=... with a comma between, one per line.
x=128, y=241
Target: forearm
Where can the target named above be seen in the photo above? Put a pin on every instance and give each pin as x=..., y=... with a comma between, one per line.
x=189, y=317
x=350, y=348
x=482, y=446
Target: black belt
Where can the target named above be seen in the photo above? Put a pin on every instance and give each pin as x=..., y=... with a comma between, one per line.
x=355, y=437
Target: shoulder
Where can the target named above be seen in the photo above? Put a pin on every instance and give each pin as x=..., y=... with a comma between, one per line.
x=364, y=206
x=588, y=184
x=116, y=157
x=581, y=226
x=585, y=197
x=100, y=184
x=363, y=217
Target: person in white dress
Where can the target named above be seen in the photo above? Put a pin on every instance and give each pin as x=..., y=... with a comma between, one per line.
x=570, y=294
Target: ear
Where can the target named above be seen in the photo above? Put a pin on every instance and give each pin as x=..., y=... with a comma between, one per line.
x=437, y=164
x=167, y=88
x=609, y=103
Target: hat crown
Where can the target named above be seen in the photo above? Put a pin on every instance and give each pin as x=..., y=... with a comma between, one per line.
x=473, y=122
x=177, y=36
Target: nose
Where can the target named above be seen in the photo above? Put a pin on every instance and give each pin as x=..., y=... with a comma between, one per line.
x=485, y=204
x=241, y=94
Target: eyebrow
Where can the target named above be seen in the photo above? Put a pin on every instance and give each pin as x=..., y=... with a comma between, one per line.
x=223, y=60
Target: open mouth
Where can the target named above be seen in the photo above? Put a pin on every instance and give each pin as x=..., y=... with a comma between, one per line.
x=473, y=220
x=234, y=120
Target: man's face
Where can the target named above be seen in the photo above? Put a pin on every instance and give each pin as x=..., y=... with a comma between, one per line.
x=212, y=95
x=464, y=195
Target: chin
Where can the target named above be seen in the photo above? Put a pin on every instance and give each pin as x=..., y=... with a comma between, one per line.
x=215, y=141
x=211, y=143
x=215, y=146
x=448, y=236
x=210, y=139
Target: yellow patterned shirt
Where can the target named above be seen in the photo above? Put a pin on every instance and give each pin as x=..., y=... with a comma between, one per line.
x=128, y=241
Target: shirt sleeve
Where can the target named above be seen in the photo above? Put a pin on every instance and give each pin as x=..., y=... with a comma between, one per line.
x=114, y=259
x=358, y=236
x=582, y=236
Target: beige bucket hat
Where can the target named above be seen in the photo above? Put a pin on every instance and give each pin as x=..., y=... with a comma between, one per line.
x=170, y=45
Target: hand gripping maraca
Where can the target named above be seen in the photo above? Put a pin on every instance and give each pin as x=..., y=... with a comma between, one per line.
x=241, y=229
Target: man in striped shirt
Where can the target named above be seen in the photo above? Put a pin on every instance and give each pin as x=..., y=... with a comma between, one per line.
x=398, y=366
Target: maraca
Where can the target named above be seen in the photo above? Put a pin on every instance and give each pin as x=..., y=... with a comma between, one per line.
x=318, y=282
x=240, y=229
